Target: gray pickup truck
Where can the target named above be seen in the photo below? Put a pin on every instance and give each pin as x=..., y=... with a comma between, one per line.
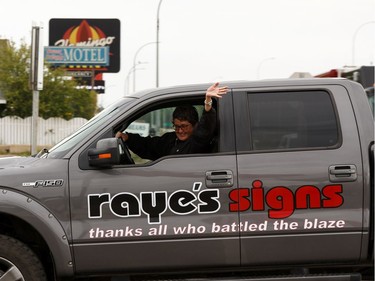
x=286, y=193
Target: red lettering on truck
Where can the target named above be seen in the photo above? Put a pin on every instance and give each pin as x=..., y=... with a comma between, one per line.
x=281, y=201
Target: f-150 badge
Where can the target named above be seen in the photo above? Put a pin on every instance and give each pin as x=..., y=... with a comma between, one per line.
x=44, y=183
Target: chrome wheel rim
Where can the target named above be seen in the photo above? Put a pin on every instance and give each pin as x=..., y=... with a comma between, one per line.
x=9, y=272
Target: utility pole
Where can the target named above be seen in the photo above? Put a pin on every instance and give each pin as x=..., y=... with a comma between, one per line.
x=36, y=79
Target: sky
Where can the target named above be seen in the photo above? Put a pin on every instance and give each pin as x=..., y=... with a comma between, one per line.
x=204, y=41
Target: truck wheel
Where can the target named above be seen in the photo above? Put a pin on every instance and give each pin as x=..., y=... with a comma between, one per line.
x=18, y=262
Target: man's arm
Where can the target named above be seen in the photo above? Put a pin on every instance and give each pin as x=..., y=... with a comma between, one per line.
x=207, y=124
x=150, y=148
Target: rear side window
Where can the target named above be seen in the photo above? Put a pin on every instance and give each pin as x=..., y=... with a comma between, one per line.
x=292, y=120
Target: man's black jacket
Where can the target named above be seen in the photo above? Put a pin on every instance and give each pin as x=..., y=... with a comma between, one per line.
x=155, y=147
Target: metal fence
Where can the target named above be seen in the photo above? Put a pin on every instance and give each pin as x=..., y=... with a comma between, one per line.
x=17, y=131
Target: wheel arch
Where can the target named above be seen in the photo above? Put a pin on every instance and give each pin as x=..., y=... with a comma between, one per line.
x=34, y=225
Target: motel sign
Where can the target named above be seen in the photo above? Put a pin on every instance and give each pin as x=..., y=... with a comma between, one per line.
x=77, y=55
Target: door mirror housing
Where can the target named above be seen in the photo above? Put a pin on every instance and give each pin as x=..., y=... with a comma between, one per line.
x=106, y=154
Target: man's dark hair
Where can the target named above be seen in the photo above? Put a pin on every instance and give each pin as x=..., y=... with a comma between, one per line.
x=186, y=113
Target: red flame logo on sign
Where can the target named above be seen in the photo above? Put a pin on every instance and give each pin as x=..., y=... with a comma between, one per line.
x=83, y=33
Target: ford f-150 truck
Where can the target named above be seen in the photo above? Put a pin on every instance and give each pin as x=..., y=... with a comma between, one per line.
x=286, y=193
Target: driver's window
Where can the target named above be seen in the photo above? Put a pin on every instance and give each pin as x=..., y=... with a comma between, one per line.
x=156, y=123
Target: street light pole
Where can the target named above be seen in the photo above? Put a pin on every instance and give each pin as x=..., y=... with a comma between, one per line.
x=354, y=37
x=133, y=69
x=135, y=59
x=157, y=45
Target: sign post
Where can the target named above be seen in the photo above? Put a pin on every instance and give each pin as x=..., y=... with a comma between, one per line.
x=36, y=79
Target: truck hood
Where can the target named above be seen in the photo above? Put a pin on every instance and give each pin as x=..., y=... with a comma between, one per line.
x=15, y=161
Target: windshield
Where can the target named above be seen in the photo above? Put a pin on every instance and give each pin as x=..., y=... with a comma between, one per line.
x=64, y=146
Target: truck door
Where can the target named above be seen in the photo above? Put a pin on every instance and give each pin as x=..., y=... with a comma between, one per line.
x=169, y=214
x=300, y=190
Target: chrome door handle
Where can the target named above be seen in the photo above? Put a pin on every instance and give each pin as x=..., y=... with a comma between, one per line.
x=339, y=173
x=221, y=178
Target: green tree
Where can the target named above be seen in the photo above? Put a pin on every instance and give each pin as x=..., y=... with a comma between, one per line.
x=60, y=96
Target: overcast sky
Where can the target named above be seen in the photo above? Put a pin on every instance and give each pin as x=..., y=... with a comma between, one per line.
x=214, y=40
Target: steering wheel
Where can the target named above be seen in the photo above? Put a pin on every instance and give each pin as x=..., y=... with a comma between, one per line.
x=125, y=156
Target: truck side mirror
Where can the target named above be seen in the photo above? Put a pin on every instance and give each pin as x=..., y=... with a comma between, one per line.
x=106, y=153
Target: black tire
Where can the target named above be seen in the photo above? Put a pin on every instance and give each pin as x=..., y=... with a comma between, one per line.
x=18, y=262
